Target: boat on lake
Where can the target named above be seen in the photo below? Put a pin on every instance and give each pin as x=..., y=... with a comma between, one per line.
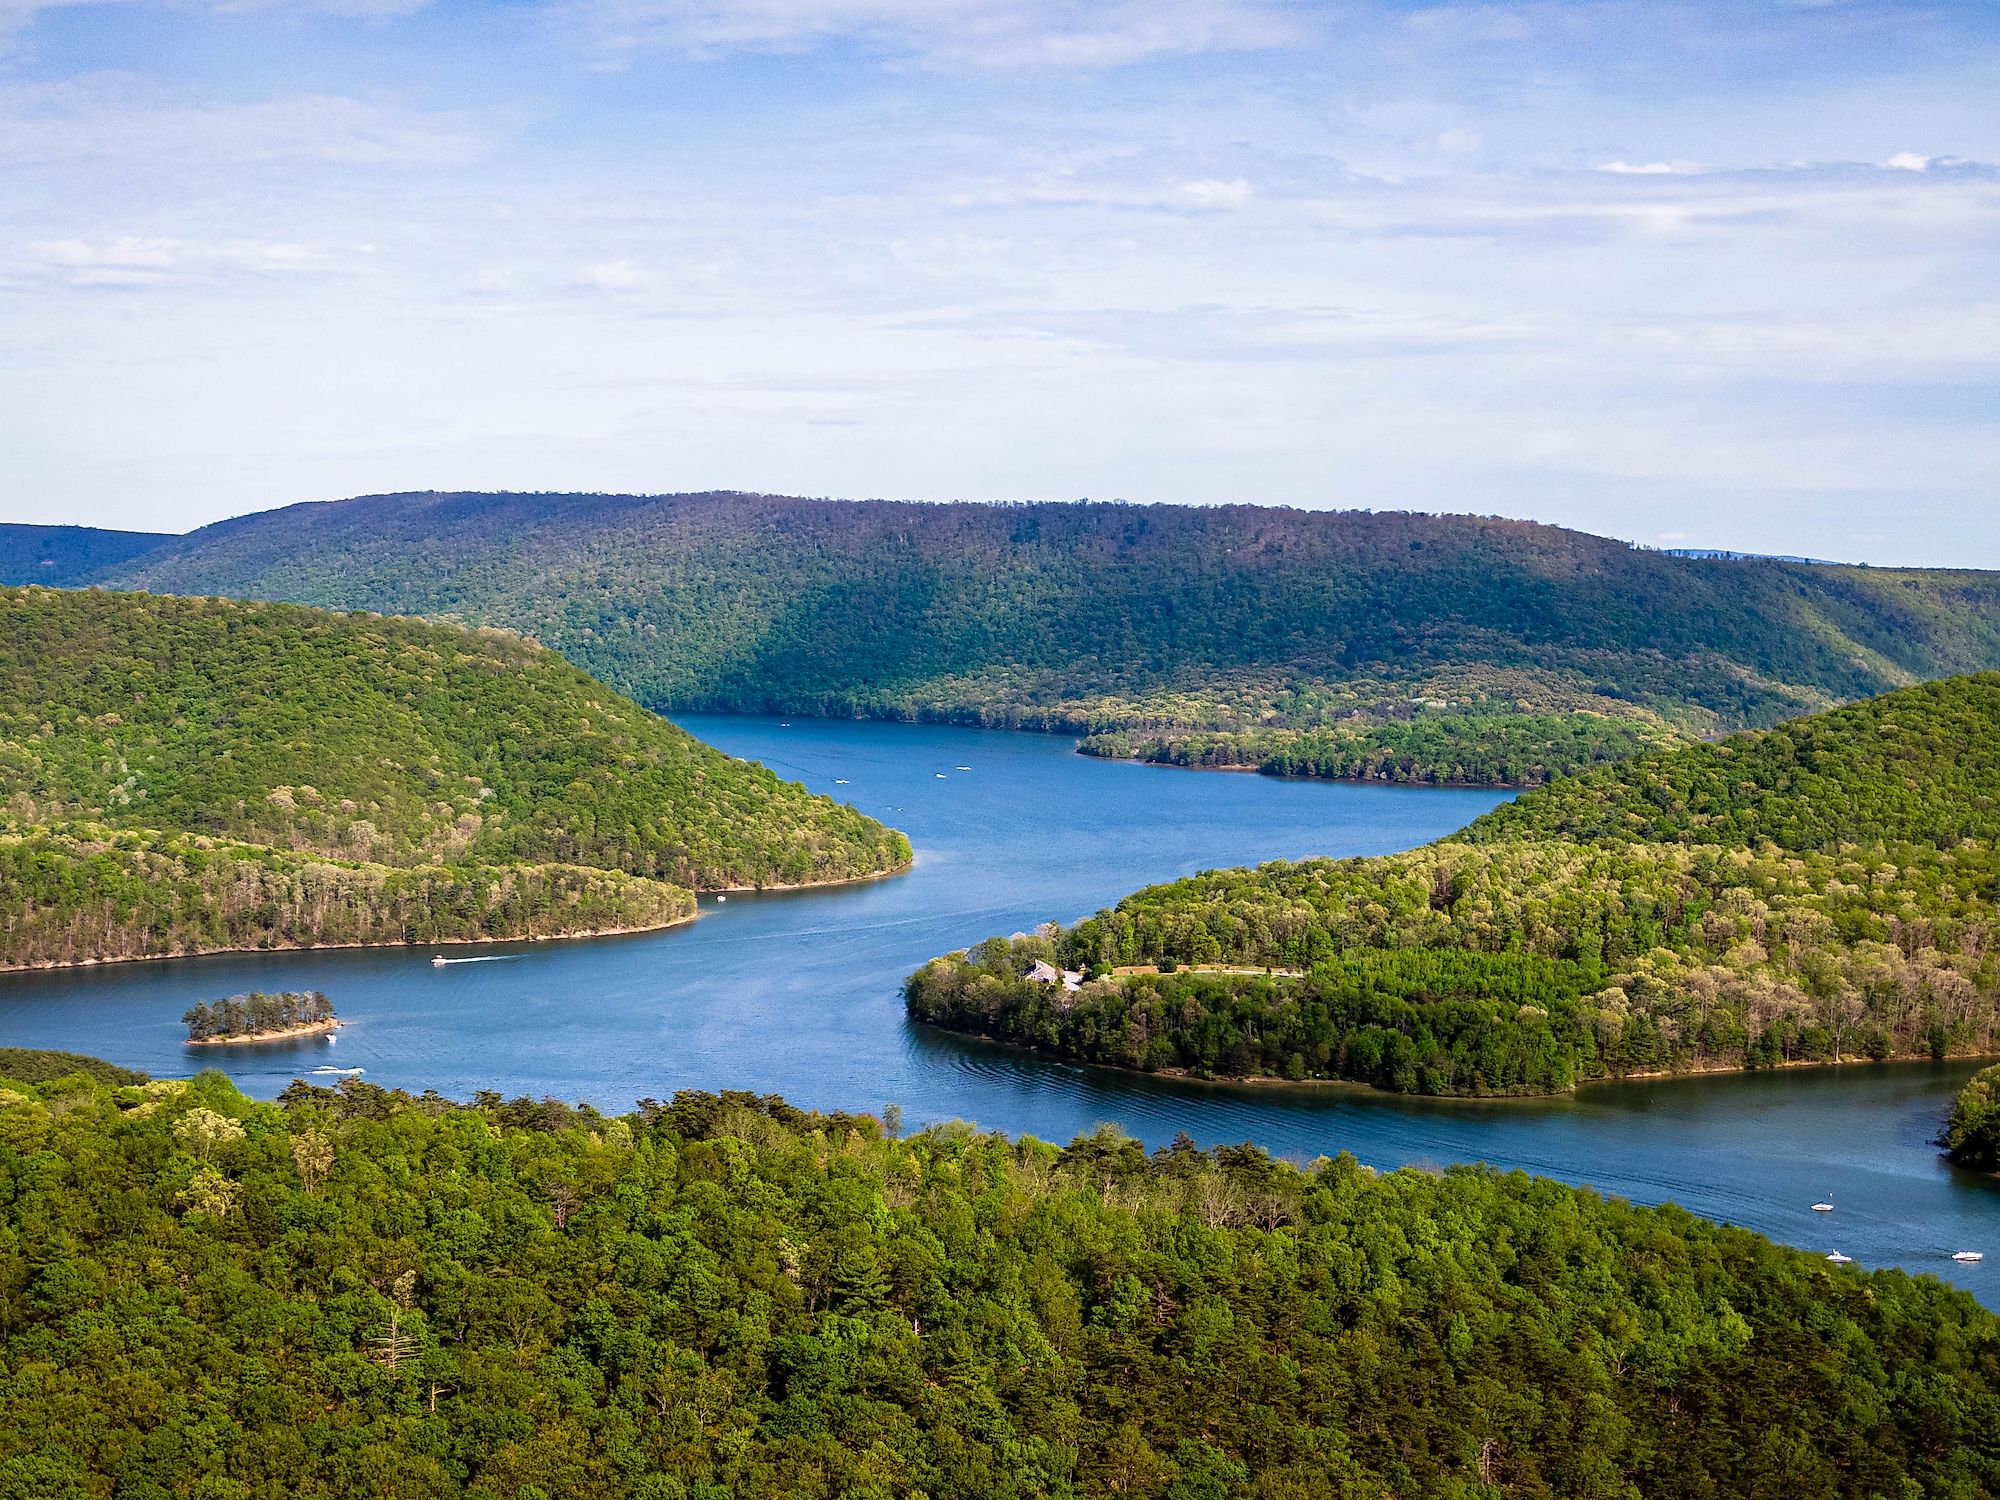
x=1969, y=1257
x=1841, y=1260
x=343, y=1072
x=1822, y=1208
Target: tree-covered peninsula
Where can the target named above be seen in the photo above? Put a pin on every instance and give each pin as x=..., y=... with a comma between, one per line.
x=1972, y=1133
x=185, y=775
x=1354, y=644
x=355, y=1293
x=1820, y=891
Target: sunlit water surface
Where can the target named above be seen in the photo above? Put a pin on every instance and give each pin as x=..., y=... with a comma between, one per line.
x=798, y=994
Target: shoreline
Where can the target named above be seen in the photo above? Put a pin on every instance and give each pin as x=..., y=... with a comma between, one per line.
x=969, y=720
x=251, y=1038
x=1413, y=783
x=1255, y=1081
x=452, y=942
x=455, y=942
x=808, y=885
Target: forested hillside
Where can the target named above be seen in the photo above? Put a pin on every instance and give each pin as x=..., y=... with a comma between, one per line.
x=354, y=1293
x=1820, y=891
x=179, y=775
x=1394, y=644
x=67, y=555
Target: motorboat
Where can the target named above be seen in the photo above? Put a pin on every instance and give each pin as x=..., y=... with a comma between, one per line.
x=437, y=960
x=1840, y=1260
x=1822, y=1208
x=1968, y=1257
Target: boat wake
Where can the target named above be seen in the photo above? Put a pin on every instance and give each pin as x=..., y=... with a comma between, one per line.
x=491, y=958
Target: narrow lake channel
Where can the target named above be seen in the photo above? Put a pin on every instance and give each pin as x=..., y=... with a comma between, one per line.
x=798, y=994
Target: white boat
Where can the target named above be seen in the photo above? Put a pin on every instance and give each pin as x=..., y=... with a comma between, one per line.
x=344, y=1072
x=1840, y=1260
x=840, y=781
x=940, y=776
x=437, y=960
x=1969, y=1257
x=961, y=768
x=721, y=898
x=1822, y=1208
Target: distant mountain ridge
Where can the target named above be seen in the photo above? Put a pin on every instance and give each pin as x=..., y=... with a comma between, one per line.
x=1392, y=633
x=67, y=555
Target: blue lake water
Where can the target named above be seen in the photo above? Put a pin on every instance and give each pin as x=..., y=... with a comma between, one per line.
x=798, y=994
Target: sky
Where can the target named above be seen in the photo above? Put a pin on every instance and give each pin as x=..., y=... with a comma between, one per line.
x=1692, y=274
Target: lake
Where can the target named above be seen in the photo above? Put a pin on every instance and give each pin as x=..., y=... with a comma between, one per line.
x=798, y=994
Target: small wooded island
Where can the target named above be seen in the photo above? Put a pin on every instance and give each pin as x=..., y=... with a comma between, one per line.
x=1815, y=893
x=258, y=1017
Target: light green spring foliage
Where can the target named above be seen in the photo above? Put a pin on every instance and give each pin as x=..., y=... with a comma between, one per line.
x=353, y=1293
x=186, y=773
x=1823, y=890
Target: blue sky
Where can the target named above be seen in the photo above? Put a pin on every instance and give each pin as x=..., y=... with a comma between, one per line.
x=1692, y=274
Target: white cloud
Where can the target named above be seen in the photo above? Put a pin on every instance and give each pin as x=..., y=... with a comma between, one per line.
x=1642, y=169
x=1084, y=34
x=613, y=275
x=1210, y=192
x=156, y=260
x=1909, y=161
x=125, y=119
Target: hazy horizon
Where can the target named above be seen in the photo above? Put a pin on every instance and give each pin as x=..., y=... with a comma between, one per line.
x=1695, y=274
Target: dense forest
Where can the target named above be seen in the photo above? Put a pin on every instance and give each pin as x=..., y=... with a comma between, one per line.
x=352, y=1292
x=1972, y=1134
x=62, y=556
x=1443, y=749
x=1163, y=622
x=1817, y=892
x=179, y=775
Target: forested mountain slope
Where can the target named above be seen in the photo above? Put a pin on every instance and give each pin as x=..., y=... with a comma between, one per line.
x=1819, y=891
x=67, y=555
x=353, y=1293
x=182, y=774
x=1349, y=643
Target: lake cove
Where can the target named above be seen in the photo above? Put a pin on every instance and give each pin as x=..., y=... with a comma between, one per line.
x=797, y=993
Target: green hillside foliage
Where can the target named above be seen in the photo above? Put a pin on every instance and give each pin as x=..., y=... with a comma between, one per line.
x=182, y=774
x=1819, y=892
x=1972, y=1134
x=62, y=556
x=353, y=1293
x=1917, y=766
x=39, y=1065
x=1093, y=617
x=1447, y=749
